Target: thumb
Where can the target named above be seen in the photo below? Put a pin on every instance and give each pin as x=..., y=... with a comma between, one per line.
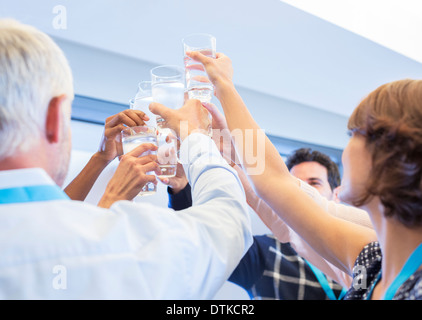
x=138, y=151
x=161, y=110
x=212, y=108
x=198, y=56
x=217, y=116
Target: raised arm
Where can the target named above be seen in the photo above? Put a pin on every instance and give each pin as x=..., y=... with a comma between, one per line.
x=336, y=240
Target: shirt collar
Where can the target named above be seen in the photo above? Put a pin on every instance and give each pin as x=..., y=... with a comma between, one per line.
x=24, y=177
x=28, y=185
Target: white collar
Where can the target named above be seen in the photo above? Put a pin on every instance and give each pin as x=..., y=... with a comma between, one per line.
x=24, y=177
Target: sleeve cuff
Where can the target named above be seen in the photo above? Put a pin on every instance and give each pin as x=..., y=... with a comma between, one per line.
x=180, y=200
x=199, y=149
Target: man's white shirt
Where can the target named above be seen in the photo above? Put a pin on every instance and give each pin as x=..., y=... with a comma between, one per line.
x=63, y=249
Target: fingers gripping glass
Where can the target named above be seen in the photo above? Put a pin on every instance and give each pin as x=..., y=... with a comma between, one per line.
x=142, y=101
x=133, y=137
x=198, y=84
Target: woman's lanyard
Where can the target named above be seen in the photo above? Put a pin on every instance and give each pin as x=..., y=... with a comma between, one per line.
x=322, y=279
x=32, y=193
x=410, y=267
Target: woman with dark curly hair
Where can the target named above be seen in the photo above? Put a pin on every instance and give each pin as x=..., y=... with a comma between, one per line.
x=382, y=174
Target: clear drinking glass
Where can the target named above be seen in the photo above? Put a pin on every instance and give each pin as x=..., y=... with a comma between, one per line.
x=198, y=85
x=167, y=153
x=168, y=88
x=142, y=101
x=133, y=137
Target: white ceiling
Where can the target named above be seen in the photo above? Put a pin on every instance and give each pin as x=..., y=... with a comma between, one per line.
x=395, y=24
x=276, y=48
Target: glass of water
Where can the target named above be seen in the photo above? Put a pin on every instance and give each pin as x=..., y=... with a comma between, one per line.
x=133, y=137
x=167, y=153
x=168, y=88
x=142, y=101
x=198, y=85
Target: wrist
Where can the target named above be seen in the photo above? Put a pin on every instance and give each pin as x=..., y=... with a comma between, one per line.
x=109, y=198
x=223, y=86
x=183, y=134
x=100, y=159
x=176, y=189
x=105, y=202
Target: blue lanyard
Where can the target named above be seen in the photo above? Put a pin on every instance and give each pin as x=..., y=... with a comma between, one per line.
x=410, y=267
x=32, y=193
x=412, y=264
x=322, y=279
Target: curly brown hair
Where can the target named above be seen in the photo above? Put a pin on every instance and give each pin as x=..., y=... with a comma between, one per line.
x=390, y=119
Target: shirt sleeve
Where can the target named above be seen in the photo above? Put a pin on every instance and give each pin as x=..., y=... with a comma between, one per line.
x=250, y=267
x=189, y=254
x=180, y=200
x=338, y=210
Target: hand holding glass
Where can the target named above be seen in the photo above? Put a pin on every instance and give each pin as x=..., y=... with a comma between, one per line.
x=167, y=153
x=142, y=101
x=134, y=137
x=168, y=89
x=198, y=84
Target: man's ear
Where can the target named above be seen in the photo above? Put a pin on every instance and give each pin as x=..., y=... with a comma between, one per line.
x=54, y=118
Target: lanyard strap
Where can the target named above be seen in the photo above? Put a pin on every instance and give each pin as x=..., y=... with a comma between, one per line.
x=410, y=267
x=32, y=193
x=322, y=279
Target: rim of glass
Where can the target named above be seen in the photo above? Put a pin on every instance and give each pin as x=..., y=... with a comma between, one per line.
x=139, y=97
x=179, y=73
x=147, y=82
x=135, y=130
x=192, y=35
x=142, y=91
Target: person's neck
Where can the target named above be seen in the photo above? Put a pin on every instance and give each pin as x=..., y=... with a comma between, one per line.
x=34, y=158
x=397, y=244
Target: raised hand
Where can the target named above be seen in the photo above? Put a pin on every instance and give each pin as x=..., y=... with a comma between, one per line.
x=219, y=70
x=131, y=175
x=192, y=117
x=178, y=182
x=110, y=146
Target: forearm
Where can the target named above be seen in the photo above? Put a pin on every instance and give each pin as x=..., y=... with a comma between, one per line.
x=259, y=158
x=79, y=187
x=107, y=200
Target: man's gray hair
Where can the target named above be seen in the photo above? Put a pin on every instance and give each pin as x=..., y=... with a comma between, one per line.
x=33, y=70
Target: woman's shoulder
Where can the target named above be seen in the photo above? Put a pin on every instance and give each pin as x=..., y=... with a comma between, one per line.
x=368, y=268
x=370, y=255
